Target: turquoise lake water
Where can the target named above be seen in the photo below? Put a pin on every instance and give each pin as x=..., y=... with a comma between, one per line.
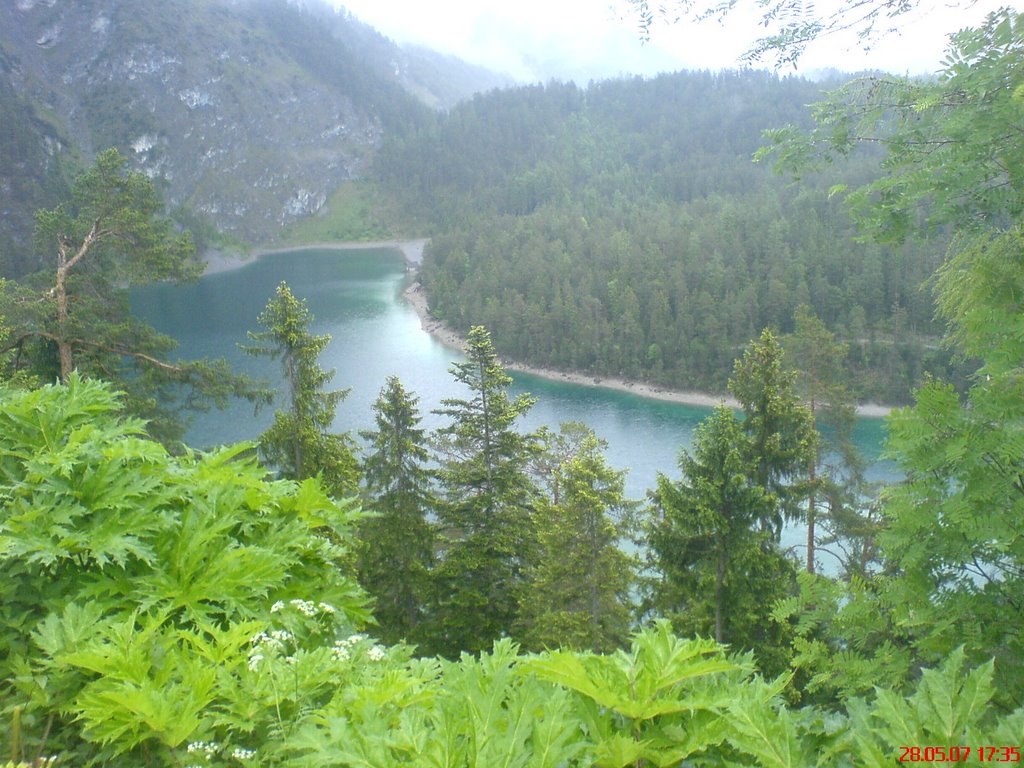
x=356, y=297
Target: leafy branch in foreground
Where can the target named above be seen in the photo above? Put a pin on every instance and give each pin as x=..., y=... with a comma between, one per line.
x=953, y=148
x=792, y=25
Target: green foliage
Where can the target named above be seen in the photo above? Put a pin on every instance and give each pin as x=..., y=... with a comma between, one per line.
x=660, y=701
x=622, y=231
x=133, y=580
x=75, y=314
x=954, y=525
x=949, y=707
x=397, y=545
x=717, y=572
x=578, y=591
x=835, y=477
x=485, y=515
x=171, y=610
x=781, y=430
x=846, y=641
x=950, y=537
x=954, y=156
x=298, y=443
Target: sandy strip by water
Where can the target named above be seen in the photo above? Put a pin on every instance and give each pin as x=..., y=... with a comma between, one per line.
x=412, y=250
x=417, y=297
x=220, y=261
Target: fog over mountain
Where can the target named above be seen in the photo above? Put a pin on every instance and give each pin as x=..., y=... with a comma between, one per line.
x=250, y=113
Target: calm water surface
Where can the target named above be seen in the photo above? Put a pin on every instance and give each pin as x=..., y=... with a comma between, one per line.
x=356, y=297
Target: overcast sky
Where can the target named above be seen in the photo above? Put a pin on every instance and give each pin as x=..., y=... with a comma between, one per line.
x=584, y=39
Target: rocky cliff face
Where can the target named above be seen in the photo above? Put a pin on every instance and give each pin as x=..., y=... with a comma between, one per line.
x=248, y=111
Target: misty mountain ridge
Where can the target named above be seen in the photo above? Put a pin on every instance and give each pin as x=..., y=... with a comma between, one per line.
x=250, y=113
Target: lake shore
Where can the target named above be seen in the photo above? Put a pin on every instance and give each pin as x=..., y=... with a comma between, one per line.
x=222, y=261
x=412, y=250
x=417, y=298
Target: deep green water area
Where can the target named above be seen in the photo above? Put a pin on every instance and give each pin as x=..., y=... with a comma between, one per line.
x=356, y=297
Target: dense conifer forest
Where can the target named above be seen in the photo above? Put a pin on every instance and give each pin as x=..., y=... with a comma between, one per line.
x=623, y=230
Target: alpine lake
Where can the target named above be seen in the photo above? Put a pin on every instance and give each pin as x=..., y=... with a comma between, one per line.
x=356, y=297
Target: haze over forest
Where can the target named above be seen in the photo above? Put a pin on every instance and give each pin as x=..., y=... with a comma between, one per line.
x=480, y=594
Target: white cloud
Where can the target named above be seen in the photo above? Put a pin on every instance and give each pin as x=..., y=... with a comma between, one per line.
x=583, y=39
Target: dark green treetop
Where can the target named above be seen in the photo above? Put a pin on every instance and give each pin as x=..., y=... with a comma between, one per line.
x=299, y=442
x=780, y=428
x=718, y=570
x=397, y=545
x=579, y=588
x=487, y=504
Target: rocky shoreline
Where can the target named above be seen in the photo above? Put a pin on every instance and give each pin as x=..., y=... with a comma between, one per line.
x=417, y=298
x=412, y=250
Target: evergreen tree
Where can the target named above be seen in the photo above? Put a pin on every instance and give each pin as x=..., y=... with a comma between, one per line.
x=486, y=512
x=718, y=571
x=781, y=431
x=299, y=443
x=820, y=365
x=578, y=595
x=397, y=546
x=74, y=315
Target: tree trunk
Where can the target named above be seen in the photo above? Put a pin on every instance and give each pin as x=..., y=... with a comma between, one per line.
x=60, y=292
x=63, y=314
x=293, y=388
x=810, y=520
x=720, y=595
x=811, y=503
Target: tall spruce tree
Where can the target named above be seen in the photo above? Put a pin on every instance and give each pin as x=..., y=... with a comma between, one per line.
x=579, y=590
x=486, y=537
x=718, y=571
x=397, y=546
x=781, y=431
x=299, y=442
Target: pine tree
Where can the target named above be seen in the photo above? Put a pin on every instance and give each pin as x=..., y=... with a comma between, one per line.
x=75, y=314
x=718, y=571
x=819, y=362
x=488, y=497
x=299, y=443
x=397, y=546
x=780, y=428
x=578, y=594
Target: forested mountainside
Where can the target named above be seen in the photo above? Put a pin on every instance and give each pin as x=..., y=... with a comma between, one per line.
x=623, y=229
x=249, y=113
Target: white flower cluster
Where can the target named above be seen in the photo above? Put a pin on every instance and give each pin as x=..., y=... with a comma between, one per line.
x=243, y=754
x=273, y=640
x=208, y=748
x=305, y=607
x=340, y=651
x=342, y=648
x=264, y=643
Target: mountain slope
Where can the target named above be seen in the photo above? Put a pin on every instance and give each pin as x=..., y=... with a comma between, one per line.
x=251, y=113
